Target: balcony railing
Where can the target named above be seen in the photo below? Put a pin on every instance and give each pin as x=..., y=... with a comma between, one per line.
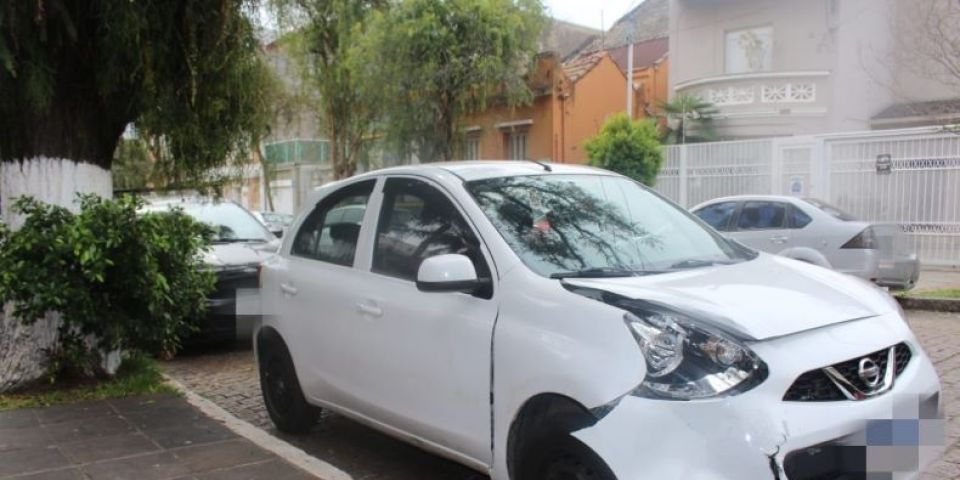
x=767, y=88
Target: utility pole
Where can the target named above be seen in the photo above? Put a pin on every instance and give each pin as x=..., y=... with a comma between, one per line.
x=603, y=32
x=630, y=77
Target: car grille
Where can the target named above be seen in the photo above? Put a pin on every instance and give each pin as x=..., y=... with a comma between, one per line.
x=229, y=281
x=819, y=386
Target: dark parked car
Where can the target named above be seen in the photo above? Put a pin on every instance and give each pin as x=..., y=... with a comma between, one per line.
x=241, y=242
x=277, y=223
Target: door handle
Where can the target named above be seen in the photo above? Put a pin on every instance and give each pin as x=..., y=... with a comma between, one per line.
x=369, y=309
x=288, y=289
x=779, y=239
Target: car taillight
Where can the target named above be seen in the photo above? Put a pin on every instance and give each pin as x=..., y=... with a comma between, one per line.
x=865, y=240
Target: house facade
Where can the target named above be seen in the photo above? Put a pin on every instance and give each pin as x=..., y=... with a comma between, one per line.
x=578, y=85
x=572, y=102
x=782, y=67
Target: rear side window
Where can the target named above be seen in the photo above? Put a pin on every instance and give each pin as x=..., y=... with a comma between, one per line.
x=718, y=215
x=762, y=216
x=798, y=219
x=417, y=221
x=332, y=230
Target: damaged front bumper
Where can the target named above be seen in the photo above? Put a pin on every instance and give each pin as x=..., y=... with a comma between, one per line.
x=758, y=435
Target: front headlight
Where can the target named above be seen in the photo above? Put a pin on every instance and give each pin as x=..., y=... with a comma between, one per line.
x=687, y=360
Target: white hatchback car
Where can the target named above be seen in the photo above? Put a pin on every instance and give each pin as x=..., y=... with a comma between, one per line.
x=538, y=321
x=816, y=232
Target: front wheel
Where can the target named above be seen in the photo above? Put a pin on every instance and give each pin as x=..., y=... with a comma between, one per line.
x=285, y=403
x=563, y=457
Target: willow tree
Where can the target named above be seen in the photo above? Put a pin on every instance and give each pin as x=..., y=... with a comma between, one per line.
x=75, y=73
x=436, y=61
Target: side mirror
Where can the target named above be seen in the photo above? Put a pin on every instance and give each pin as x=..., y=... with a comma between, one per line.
x=277, y=233
x=448, y=273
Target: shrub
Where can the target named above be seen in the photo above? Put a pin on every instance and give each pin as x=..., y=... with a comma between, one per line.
x=630, y=148
x=119, y=279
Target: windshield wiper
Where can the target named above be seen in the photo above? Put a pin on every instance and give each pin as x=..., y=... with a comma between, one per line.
x=698, y=263
x=239, y=240
x=599, y=272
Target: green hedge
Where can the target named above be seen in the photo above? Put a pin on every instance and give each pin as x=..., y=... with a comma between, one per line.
x=120, y=279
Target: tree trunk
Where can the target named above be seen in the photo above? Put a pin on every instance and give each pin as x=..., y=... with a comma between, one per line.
x=55, y=181
x=264, y=175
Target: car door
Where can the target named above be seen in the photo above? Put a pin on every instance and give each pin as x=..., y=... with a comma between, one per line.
x=762, y=225
x=417, y=361
x=319, y=283
x=803, y=233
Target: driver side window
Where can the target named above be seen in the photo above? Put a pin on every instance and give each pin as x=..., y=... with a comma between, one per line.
x=417, y=221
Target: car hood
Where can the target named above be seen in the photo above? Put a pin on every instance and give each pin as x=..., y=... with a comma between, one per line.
x=240, y=253
x=766, y=297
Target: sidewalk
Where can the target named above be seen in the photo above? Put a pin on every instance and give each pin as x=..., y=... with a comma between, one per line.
x=146, y=438
x=937, y=279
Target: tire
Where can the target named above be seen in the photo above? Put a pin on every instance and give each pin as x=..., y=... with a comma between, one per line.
x=281, y=391
x=562, y=457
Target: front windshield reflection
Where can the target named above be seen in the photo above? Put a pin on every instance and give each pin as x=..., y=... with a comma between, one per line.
x=563, y=223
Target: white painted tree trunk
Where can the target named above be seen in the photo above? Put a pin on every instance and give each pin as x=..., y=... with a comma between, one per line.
x=54, y=181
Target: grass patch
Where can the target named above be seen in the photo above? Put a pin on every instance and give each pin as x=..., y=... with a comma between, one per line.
x=138, y=375
x=943, y=293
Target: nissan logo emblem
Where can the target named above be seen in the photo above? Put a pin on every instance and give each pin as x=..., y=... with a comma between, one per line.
x=869, y=372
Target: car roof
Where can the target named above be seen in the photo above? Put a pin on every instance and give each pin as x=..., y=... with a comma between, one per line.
x=464, y=170
x=166, y=203
x=742, y=198
x=483, y=169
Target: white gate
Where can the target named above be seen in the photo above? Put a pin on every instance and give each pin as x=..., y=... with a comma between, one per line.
x=907, y=177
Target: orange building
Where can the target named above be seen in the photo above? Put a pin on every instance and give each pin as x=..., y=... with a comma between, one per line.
x=572, y=102
x=650, y=68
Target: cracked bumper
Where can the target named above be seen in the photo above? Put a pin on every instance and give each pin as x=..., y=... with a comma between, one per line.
x=750, y=436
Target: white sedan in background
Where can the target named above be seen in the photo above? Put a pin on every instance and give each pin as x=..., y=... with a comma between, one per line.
x=815, y=232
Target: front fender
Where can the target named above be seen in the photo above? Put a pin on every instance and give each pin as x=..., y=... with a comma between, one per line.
x=550, y=340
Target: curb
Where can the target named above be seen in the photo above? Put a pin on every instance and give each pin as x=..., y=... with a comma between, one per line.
x=261, y=438
x=930, y=304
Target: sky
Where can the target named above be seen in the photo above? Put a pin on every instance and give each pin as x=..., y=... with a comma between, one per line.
x=583, y=12
x=587, y=12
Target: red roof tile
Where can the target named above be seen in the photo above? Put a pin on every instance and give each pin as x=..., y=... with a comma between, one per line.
x=578, y=67
x=645, y=54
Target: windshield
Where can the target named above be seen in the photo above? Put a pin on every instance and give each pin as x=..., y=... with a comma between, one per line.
x=230, y=222
x=277, y=218
x=831, y=210
x=575, y=223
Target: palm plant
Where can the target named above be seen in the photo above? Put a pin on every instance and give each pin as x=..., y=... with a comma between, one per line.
x=688, y=118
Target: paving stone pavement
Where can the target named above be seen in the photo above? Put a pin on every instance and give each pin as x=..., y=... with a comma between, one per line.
x=229, y=378
x=153, y=437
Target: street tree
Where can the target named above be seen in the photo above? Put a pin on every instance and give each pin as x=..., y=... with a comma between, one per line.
x=132, y=165
x=75, y=73
x=926, y=42
x=436, y=61
x=321, y=36
x=688, y=119
x=276, y=104
x=628, y=147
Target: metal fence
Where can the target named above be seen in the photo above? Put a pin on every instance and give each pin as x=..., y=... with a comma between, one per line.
x=907, y=177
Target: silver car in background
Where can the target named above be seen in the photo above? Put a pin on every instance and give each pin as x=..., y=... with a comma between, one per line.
x=815, y=232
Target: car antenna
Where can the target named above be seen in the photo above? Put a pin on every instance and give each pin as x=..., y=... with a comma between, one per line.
x=542, y=164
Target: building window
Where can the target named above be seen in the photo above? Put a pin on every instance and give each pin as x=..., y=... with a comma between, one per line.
x=517, y=146
x=471, y=147
x=749, y=50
